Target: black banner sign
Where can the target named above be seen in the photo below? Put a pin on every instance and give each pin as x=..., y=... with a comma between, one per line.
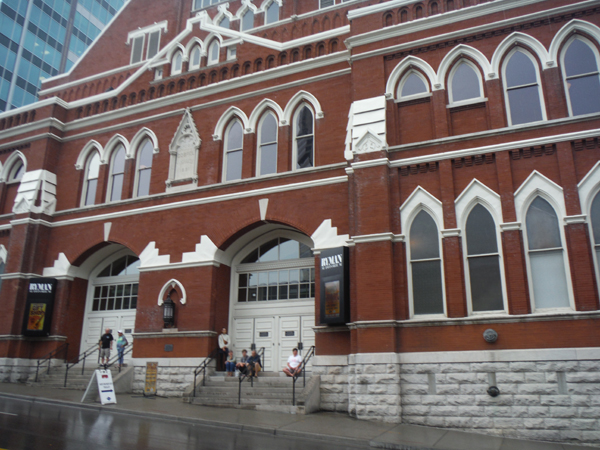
x=335, y=286
x=38, y=310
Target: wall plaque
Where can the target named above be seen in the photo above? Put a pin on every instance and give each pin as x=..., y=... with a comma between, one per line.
x=39, y=305
x=335, y=291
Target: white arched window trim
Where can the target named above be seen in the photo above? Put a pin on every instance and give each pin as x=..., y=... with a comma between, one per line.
x=574, y=25
x=421, y=200
x=292, y=106
x=84, y=190
x=527, y=42
x=589, y=187
x=8, y=169
x=226, y=150
x=477, y=193
x=168, y=287
x=295, y=137
x=260, y=109
x=403, y=80
x=91, y=146
x=139, y=137
x=211, y=60
x=265, y=6
x=177, y=62
x=527, y=53
x=594, y=49
x=138, y=150
x=259, y=152
x=481, y=98
x=110, y=155
x=408, y=63
x=226, y=118
x=538, y=185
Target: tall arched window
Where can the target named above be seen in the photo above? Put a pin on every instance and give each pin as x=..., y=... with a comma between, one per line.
x=234, y=151
x=144, y=168
x=176, y=63
x=272, y=14
x=483, y=260
x=304, y=138
x=413, y=83
x=523, y=92
x=213, y=52
x=195, y=57
x=267, y=151
x=92, y=170
x=581, y=76
x=426, y=266
x=224, y=22
x=117, y=173
x=465, y=82
x=546, y=256
x=595, y=222
x=247, y=20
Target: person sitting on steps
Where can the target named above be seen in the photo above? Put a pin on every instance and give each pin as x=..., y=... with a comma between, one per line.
x=242, y=366
x=230, y=364
x=294, y=364
x=254, y=364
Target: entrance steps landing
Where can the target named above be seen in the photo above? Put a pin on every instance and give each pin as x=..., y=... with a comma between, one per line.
x=76, y=380
x=269, y=392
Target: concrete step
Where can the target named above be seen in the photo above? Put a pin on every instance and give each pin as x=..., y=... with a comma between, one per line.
x=224, y=401
x=248, y=395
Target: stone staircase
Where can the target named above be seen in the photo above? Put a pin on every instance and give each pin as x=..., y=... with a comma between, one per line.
x=56, y=377
x=270, y=392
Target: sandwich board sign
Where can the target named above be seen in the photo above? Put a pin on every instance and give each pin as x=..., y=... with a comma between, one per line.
x=106, y=390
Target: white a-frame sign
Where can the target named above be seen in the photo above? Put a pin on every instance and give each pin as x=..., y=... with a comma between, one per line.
x=106, y=390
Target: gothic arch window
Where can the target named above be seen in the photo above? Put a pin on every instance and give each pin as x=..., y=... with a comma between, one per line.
x=304, y=138
x=16, y=172
x=247, y=22
x=427, y=292
x=144, y=168
x=272, y=13
x=117, y=174
x=595, y=225
x=581, y=76
x=464, y=83
x=195, y=57
x=176, y=63
x=213, y=52
x=546, y=256
x=411, y=85
x=224, y=22
x=90, y=183
x=522, y=88
x=484, y=275
x=234, y=151
x=267, y=149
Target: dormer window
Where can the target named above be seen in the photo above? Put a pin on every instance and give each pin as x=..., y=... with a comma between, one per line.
x=198, y=4
x=147, y=39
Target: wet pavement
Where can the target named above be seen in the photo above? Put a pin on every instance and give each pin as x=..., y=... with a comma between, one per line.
x=44, y=418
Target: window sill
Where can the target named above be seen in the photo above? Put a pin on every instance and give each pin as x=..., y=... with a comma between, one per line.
x=467, y=103
x=413, y=98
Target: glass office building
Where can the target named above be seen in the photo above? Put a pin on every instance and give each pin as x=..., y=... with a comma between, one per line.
x=42, y=38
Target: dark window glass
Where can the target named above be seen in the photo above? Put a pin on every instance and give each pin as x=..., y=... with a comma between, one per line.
x=118, y=172
x=144, y=168
x=481, y=232
x=272, y=13
x=136, y=49
x=424, y=241
x=304, y=139
x=542, y=226
x=153, y=44
x=522, y=89
x=583, y=79
x=234, y=152
x=413, y=85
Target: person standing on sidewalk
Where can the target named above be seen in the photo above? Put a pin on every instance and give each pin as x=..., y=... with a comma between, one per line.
x=105, y=346
x=223, y=348
x=121, y=344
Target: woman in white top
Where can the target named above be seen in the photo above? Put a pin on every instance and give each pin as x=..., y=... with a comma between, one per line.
x=223, y=348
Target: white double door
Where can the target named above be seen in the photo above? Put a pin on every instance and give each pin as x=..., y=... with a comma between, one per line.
x=98, y=321
x=277, y=334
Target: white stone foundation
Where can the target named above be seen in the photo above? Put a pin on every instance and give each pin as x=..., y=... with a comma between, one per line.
x=551, y=395
x=17, y=370
x=174, y=376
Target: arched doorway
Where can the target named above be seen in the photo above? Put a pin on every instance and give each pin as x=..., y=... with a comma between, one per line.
x=273, y=296
x=111, y=299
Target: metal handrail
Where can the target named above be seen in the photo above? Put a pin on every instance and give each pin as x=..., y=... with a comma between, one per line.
x=261, y=356
x=48, y=357
x=81, y=357
x=202, y=369
x=311, y=352
x=115, y=359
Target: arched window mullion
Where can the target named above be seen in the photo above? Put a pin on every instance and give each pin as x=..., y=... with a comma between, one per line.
x=267, y=147
x=581, y=76
x=304, y=138
x=233, y=152
x=144, y=168
x=117, y=174
x=92, y=172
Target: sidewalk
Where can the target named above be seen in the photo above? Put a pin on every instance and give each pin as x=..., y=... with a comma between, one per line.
x=326, y=426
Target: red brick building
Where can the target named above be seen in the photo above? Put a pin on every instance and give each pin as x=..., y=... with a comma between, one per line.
x=211, y=152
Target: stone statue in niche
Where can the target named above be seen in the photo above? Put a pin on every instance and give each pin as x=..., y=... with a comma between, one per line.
x=184, y=149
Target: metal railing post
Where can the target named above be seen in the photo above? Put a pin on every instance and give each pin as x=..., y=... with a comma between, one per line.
x=240, y=391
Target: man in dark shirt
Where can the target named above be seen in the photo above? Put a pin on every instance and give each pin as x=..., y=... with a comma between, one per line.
x=105, y=346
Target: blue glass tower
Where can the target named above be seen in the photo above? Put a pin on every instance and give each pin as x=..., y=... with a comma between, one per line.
x=43, y=38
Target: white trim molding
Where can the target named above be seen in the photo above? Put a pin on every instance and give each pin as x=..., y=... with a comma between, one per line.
x=170, y=285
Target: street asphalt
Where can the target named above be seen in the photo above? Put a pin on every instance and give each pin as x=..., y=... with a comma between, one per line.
x=334, y=427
